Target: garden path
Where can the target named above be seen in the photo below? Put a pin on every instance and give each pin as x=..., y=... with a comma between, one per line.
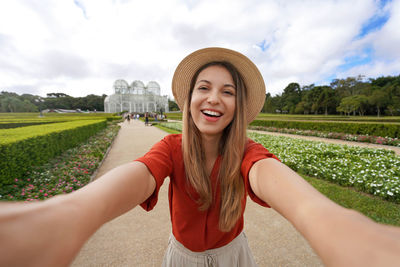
x=139, y=238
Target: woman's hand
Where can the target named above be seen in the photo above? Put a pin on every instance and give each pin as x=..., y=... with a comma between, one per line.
x=47, y=233
x=341, y=237
x=51, y=232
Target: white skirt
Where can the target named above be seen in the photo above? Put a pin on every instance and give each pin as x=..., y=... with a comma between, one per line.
x=236, y=253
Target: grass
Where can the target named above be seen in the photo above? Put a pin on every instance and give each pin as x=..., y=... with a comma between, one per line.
x=168, y=130
x=375, y=208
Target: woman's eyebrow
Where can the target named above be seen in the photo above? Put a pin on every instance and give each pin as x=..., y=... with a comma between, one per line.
x=225, y=85
x=230, y=85
x=203, y=81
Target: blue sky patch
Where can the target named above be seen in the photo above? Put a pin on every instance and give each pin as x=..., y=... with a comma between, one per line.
x=80, y=5
x=263, y=45
x=376, y=22
x=362, y=58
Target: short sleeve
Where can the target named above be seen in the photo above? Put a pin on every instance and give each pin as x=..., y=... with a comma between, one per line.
x=159, y=162
x=253, y=153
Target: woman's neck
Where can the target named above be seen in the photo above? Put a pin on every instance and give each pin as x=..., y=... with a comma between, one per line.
x=211, y=145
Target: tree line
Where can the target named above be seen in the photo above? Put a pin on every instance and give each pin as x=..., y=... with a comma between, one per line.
x=12, y=102
x=350, y=96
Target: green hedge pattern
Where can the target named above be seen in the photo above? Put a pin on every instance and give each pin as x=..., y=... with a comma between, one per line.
x=374, y=129
x=23, y=148
x=10, y=125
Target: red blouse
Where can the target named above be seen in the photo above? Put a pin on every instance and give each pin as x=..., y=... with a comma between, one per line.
x=196, y=230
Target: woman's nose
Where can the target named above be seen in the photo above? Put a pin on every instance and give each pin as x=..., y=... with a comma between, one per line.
x=213, y=97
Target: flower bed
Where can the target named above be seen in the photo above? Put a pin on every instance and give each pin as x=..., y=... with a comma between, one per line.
x=343, y=136
x=373, y=171
x=63, y=174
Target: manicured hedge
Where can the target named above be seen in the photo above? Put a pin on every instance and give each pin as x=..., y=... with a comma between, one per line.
x=374, y=129
x=56, y=117
x=22, y=148
x=334, y=118
x=10, y=125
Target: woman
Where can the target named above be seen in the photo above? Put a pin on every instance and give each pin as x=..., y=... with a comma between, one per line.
x=212, y=167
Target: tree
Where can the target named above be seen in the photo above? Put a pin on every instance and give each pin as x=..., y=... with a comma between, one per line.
x=11, y=104
x=348, y=87
x=379, y=99
x=348, y=105
x=300, y=108
x=326, y=99
x=268, y=104
x=314, y=98
x=362, y=103
x=291, y=96
x=172, y=106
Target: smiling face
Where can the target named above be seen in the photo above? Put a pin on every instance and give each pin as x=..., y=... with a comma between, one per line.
x=213, y=101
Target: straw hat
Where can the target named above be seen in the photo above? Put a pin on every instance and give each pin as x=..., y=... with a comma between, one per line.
x=249, y=72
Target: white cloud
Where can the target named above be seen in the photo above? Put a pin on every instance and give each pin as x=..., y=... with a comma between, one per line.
x=385, y=44
x=52, y=46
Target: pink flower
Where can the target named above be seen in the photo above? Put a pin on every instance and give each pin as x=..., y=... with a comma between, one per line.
x=16, y=179
x=45, y=194
x=28, y=179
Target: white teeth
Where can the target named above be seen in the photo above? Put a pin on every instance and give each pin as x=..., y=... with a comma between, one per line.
x=211, y=113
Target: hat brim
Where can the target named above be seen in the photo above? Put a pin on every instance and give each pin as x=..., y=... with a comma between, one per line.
x=251, y=76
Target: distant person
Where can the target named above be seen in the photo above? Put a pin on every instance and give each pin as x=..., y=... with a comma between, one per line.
x=146, y=119
x=212, y=166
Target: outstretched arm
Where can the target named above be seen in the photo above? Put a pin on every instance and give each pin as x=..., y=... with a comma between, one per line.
x=340, y=236
x=51, y=232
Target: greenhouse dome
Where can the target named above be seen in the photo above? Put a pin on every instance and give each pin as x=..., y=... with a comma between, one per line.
x=136, y=98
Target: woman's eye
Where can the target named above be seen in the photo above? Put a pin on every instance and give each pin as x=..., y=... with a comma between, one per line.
x=203, y=88
x=229, y=92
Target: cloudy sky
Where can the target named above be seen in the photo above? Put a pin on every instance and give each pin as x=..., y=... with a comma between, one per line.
x=81, y=47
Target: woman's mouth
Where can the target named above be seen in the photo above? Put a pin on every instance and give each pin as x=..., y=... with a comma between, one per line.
x=211, y=115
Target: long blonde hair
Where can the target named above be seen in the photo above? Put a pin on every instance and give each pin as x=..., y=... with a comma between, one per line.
x=229, y=176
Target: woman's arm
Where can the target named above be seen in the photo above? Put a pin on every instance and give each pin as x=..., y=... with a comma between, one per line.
x=341, y=237
x=51, y=232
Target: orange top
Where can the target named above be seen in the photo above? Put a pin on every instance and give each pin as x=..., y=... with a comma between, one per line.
x=196, y=230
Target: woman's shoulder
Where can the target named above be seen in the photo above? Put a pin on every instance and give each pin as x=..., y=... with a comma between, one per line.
x=174, y=141
x=256, y=150
x=173, y=138
x=250, y=144
x=253, y=147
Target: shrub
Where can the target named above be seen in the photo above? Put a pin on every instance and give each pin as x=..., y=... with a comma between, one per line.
x=374, y=129
x=23, y=148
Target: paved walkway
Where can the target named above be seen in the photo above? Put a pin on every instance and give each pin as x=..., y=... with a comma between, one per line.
x=139, y=238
